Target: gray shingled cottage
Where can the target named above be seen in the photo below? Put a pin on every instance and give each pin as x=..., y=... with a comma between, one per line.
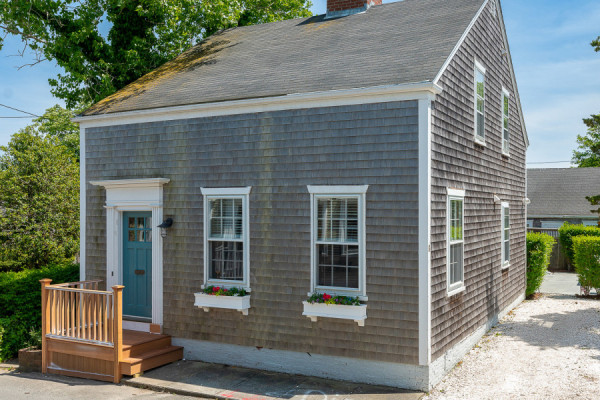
x=377, y=151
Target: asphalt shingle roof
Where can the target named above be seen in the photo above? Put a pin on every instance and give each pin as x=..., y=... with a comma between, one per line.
x=403, y=42
x=561, y=191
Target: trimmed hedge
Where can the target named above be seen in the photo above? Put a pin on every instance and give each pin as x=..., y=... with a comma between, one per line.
x=587, y=262
x=539, y=250
x=21, y=305
x=568, y=231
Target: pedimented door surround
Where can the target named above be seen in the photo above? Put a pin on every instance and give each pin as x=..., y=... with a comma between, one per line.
x=134, y=195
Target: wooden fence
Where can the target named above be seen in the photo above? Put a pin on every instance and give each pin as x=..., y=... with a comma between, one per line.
x=82, y=332
x=558, y=260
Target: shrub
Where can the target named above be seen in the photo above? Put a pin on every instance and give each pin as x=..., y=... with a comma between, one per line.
x=587, y=262
x=566, y=233
x=21, y=310
x=539, y=250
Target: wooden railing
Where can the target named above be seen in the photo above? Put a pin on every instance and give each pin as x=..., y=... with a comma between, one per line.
x=79, y=312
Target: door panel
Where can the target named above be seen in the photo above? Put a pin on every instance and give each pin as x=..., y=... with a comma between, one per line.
x=137, y=264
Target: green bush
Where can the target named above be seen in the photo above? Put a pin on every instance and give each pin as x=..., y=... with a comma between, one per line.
x=539, y=250
x=587, y=262
x=566, y=233
x=21, y=305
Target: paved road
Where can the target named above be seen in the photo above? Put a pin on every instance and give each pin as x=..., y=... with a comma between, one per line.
x=561, y=283
x=18, y=386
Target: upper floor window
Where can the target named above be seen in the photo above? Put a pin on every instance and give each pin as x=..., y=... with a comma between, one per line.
x=505, y=121
x=226, y=241
x=455, y=241
x=505, y=235
x=479, y=103
x=338, y=239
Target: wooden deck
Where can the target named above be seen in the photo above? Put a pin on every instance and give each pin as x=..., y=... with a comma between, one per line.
x=82, y=335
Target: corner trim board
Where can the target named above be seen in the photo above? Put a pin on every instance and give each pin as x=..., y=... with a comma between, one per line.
x=425, y=132
x=82, y=205
x=331, y=98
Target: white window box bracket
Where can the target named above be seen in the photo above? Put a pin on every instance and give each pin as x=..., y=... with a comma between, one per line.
x=207, y=301
x=356, y=313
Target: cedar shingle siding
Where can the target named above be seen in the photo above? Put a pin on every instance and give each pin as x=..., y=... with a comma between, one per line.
x=278, y=154
x=482, y=171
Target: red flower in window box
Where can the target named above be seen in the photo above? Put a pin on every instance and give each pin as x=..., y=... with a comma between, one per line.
x=326, y=296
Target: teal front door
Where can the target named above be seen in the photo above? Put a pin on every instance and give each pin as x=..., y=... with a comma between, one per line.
x=137, y=264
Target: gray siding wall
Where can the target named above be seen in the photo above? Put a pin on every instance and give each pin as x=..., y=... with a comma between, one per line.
x=458, y=162
x=278, y=154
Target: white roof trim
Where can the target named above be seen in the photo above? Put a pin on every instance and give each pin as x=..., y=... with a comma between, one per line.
x=337, y=189
x=131, y=183
x=331, y=98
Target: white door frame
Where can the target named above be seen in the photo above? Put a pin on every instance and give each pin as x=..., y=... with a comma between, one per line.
x=134, y=195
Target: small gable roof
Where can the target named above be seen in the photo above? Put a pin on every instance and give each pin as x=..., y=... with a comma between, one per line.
x=561, y=192
x=397, y=43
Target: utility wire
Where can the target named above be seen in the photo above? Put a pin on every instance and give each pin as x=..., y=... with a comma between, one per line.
x=15, y=117
x=549, y=162
x=21, y=111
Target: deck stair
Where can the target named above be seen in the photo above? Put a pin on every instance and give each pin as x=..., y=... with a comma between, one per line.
x=143, y=351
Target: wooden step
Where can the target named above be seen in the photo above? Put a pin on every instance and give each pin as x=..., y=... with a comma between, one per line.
x=136, y=343
x=151, y=359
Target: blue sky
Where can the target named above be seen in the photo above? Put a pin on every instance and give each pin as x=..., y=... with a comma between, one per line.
x=557, y=73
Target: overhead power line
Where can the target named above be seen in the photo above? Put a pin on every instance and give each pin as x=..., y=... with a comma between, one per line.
x=549, y=162
x=21, y=111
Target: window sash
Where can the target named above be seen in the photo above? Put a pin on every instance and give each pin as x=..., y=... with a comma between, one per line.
x=505, y=123
x=505, y=240
x=479, y=104
x=226, y=244
x=455, y=243
x=343, y=273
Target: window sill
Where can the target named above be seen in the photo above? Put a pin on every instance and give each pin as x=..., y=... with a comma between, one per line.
x=506, y=155
x=505, y=267
x=480, y=142
x=356, y=313
x=456, y=291
x=208, y=301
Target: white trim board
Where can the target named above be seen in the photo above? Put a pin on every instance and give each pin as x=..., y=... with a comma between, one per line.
x=331, y=98
x=82, y=205
x=424, y=248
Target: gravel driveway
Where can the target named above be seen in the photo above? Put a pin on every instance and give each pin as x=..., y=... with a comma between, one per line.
x=545, y=349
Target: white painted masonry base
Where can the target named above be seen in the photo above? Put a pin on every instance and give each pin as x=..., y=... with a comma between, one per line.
x=207, y=301
x=406, y=376
x=356, y=313
x=342, y=368
x=442, y=365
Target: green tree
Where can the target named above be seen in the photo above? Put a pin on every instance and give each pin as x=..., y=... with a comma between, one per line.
x=596, y=43
x=39, y=196
x=588, y=151
x=103, y=45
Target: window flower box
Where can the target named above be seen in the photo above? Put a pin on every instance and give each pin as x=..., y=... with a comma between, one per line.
x=340, y=307
x=216, y=297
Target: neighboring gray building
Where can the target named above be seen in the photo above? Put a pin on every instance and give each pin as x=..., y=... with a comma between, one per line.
x=378, y=155
x=559, y=194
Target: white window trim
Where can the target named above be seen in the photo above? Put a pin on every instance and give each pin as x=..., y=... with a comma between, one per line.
x=478, y=67
x=503, y=263
x=236, y=193
x=458, y=287
x=359, y=192
x=505, y=93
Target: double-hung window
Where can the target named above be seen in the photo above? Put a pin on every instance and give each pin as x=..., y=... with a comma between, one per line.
x=338, y=239
x=505, y=121
x=226, y=236
x=505, y=235
x=455, y=240
x=479, y=103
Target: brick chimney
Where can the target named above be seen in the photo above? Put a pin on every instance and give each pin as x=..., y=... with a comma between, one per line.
x=341, y=8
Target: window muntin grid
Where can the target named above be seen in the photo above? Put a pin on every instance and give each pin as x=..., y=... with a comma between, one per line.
x=226, y=239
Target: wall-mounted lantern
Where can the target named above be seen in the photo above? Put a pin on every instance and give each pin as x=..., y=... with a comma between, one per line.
x=167, y=223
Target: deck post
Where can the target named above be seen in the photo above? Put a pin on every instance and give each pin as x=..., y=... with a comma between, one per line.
x=118, y=330
x=45, y=323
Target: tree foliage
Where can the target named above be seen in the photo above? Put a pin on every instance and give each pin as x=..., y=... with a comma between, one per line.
x=588, y=150
x=39, y=195
x=596, y=43
x=103, y=45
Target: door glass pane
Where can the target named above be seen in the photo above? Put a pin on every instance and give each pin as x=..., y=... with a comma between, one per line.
x=131, y=235
x=140, y=223
x=140, y=236
x=131, y=222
